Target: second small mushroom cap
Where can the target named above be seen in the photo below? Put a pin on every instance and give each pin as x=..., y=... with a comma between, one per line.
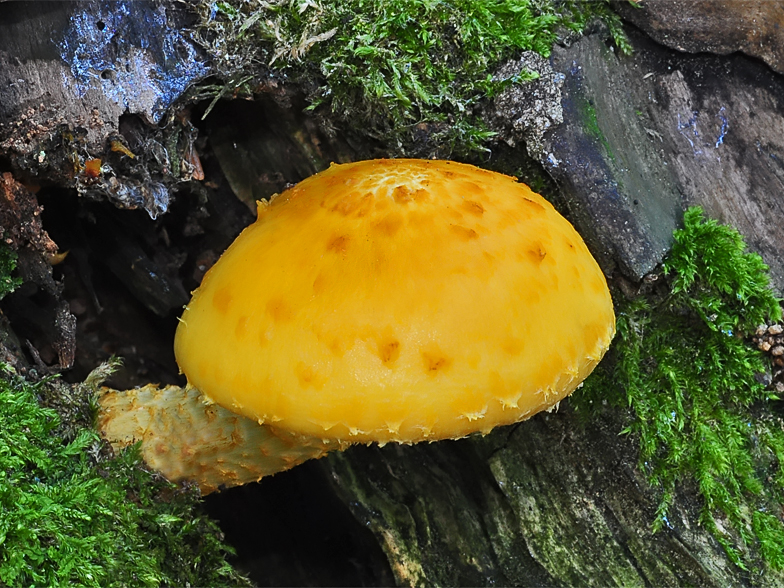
x=398, y=300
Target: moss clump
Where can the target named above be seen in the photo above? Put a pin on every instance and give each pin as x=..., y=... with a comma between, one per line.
x=398, y=69
x=7, y=266
x=682, y=363
x=67, y=519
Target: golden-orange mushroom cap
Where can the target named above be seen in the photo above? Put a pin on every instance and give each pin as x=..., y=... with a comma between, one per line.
x=398, y=300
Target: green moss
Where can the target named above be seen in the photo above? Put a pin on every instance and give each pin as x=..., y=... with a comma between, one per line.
x=682, y=363
x=591, y=125
x=68, y=518
x=398, y=69
x=8, y=283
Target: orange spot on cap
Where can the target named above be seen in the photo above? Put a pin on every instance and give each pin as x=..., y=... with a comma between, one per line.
x=388, y=350
x=308, y=377
x=464, y=233
x=241, y=327
x=401, y=195
x=279, y=310
x=536, y=255
x=338, y=244
x=472, y=207
x=389, y=225
x=435, y=361
x=221, y=300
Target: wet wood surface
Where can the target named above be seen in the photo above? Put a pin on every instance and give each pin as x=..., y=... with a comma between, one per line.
x=546, y=502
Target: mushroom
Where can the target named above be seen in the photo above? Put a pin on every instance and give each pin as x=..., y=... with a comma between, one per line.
x=377, y=301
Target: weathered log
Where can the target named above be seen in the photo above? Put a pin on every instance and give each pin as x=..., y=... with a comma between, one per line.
x=647, y=135
x=90, y=82
x=549, y=501
x=713, y=26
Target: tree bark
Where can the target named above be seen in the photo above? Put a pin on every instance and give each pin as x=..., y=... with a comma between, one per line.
x=547, y=502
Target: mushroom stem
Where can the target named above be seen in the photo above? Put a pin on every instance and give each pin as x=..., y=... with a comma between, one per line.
x=185, y=437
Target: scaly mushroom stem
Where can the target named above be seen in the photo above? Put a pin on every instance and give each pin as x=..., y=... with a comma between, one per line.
x=187, y=438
